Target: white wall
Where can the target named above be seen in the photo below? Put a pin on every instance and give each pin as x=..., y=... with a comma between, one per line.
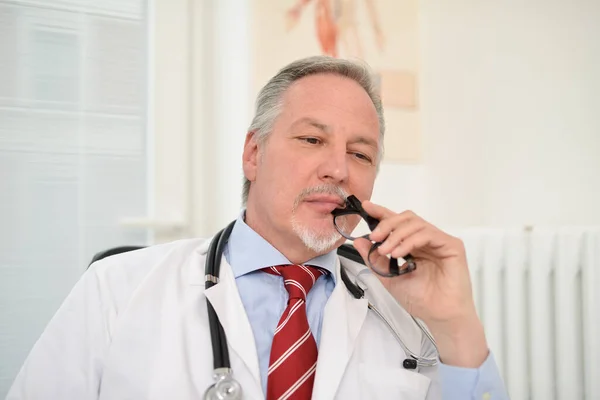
x=223, y=111
x=510, y=115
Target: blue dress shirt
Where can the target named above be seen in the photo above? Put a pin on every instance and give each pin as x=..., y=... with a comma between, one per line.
x=247, y=253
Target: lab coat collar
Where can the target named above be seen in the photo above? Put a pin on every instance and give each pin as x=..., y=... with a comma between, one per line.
x=196, y=272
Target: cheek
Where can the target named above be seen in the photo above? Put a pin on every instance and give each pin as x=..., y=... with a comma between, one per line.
x=281, y=175
x=361, y=183
x=290, y=170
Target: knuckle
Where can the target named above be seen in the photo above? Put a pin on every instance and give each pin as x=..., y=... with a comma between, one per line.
x=410, y=213
x=458, y=242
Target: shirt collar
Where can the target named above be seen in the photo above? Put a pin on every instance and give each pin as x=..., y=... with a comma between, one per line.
x=247, y=251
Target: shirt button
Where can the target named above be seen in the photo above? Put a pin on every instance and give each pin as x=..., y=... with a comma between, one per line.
x=486, y=396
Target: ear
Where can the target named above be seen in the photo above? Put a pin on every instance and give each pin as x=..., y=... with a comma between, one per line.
x=250, y=157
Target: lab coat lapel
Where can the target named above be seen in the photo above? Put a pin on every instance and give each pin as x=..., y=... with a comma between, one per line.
x=394, y=314
x=343, y=319
x=227, y=303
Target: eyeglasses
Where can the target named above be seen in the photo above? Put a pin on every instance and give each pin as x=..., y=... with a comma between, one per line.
x=353, y=207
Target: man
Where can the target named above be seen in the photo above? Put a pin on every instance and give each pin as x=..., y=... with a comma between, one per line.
x=136, y=324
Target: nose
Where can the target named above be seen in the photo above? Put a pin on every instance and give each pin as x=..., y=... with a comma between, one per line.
x=334, y=167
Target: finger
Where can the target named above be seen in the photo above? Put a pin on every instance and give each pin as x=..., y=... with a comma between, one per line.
x=376, y=211
x=414, y=242
x=400, y=234
x=379, y=263
x=387, y=225
x=363, y=246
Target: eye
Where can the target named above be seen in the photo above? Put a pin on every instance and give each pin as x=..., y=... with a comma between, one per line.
x=362, y=157
x=311, y=140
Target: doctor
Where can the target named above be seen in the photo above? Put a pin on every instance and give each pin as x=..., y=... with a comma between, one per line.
x=136, y=327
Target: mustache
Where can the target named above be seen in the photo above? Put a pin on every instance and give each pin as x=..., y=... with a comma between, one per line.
x=321, y=189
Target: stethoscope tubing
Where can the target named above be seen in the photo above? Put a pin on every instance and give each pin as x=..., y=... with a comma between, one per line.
x=421, y=361
x=212, y=271
x=221, y=361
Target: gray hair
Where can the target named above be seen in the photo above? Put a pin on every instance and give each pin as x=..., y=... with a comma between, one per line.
x=270, y=98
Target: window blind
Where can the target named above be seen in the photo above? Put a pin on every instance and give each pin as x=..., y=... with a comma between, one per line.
x=73, y=157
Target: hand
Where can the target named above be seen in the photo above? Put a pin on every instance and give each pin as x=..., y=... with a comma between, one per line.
x=438, y=291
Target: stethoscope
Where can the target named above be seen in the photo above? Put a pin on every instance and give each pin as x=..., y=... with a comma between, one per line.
x=225, y=386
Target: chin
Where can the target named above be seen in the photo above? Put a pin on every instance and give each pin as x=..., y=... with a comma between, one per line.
x=318, y=239
x=321, y=226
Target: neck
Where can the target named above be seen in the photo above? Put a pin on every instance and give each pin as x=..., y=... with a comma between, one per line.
x=284, y=240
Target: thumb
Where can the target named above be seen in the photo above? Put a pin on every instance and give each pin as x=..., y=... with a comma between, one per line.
x=363, y=246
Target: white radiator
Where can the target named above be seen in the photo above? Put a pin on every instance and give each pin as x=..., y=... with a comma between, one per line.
x=538, y=294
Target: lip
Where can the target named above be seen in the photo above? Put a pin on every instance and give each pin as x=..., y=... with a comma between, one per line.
x=325, y=203
x=323, y=198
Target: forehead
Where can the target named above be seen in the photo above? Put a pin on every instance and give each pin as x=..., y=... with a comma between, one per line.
x=335, y=100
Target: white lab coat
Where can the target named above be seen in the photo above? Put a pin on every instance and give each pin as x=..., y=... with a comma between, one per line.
x=136, y=327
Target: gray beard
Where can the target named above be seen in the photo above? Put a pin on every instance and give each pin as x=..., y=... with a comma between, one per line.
x=319, y=243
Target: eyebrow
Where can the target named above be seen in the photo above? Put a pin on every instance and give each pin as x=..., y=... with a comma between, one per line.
x=327, y=130
x=313, y=122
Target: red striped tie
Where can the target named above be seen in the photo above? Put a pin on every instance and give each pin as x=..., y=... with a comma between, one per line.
x=293, y=358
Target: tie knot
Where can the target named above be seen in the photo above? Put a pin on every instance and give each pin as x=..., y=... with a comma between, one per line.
x=298, y=279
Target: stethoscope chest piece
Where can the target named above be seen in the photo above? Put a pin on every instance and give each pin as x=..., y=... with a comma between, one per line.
x=225, y=387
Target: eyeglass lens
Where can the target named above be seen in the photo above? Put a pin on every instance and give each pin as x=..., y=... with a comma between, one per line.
x=395, y=268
